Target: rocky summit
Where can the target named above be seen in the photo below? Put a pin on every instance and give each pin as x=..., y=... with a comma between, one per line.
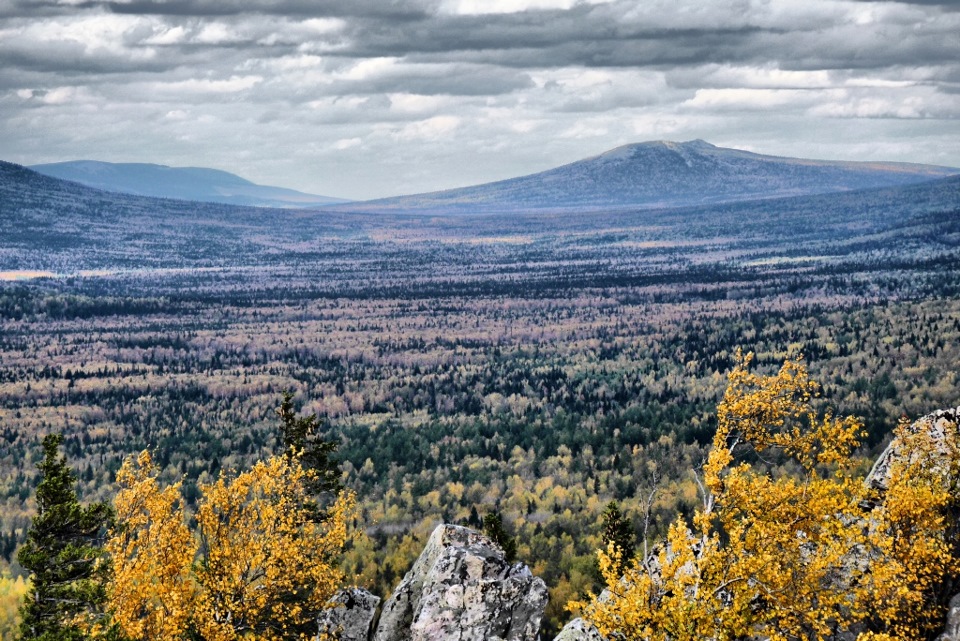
x=463, y=589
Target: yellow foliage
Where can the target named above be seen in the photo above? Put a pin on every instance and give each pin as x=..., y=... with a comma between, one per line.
x=152, y=591
x=795, y=555
x=12, y=592
x=256, y=567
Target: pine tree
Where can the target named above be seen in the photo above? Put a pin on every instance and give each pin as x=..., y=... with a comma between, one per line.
x=299, y=433
x=618, y=531
x=63, y=551
x=493, y=528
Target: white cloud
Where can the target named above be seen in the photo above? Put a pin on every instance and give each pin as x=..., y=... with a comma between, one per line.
x=584, y=130
x=429, y=129
x=61, y=96
x=369, y=68
x=193, y=87
x=481, y=7
x=166, y=36
x=217, y=33
x=418, y=104
x=748, y=99
x=347, y=143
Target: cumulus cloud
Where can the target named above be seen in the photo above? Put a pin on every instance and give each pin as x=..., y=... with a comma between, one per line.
x=365, y=98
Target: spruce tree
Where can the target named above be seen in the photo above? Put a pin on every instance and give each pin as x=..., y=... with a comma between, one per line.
x=493, y=528
x=300, y=433
x=63, y=552
x=618, y=531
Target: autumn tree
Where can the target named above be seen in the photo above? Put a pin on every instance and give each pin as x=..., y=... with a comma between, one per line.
x=787, y=543
x=257, y=565
x=152, y=593
x=63, y=552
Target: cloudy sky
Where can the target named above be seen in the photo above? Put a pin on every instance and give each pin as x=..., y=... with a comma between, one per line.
x=367, y=98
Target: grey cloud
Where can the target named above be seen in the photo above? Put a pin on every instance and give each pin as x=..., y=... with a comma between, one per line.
x=39, y=8
x=554, y=82
x=383, y=9
x=585, y=35
x=951, y=5
x=599, y=36
x=65, y=60
x=511, y=41
x=451, y=79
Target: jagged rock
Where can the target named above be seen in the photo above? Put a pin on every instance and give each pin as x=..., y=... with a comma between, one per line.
x=938, y=423
x=462, y=589
x=952, y=630
x=352, y=615
x=579, y=630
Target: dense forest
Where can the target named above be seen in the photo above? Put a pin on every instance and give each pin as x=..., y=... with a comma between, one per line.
x=539, y=366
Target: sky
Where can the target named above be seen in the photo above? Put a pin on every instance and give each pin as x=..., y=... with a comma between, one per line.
x=369, y=98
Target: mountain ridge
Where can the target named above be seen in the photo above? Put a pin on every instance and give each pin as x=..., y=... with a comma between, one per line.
x=198, y=184
x=658, y=174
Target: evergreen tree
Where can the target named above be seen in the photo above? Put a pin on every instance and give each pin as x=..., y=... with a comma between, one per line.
x=63, y=551
x=618, y=531
x=493, y=528
x=300, y=434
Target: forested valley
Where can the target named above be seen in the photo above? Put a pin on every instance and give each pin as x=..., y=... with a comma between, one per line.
x=538, y=366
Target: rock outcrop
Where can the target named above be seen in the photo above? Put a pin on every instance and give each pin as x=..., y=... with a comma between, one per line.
x=462, y=589
x=579, y=630
x=938, y=424
x=951, y=631
x=351, y=617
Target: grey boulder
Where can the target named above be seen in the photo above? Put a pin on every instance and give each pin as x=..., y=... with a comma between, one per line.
x=351, y=616
x=579, y=630
x=462, y=589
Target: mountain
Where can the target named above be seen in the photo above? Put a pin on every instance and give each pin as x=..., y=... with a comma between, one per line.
x=663, y=174
x=183, y=183
x=64, y=227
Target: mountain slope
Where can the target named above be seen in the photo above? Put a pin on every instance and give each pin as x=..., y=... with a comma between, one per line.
x=183, y=183
x=664, y=174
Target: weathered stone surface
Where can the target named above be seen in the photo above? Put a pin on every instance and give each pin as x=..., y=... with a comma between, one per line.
x=352, y=615
x=579, y=630
x=952, y=630
x=462, y=589
x=939, y=424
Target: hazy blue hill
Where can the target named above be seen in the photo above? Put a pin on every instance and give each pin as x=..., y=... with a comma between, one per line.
x=62, y=226
x=184, y=183
x=664, y=174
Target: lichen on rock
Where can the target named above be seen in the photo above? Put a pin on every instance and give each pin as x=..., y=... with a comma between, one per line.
x=461, y=588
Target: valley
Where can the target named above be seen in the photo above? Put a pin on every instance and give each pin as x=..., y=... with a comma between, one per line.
x=536, y=363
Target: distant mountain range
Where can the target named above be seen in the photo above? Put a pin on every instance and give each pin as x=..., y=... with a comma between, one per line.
x=662, y=174
x=62, y=227
x=646, y=175
x=182, y=183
